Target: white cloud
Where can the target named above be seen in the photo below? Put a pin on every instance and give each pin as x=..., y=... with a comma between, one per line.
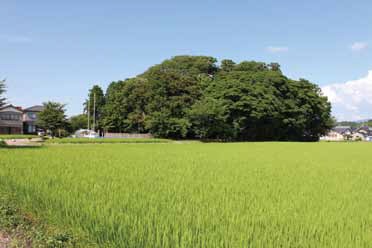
x=277, y=49
x=351, y=100
x=359, y=46
x=15, y=39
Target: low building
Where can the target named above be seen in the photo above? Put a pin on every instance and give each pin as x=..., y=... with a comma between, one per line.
x=30, y=118
x=11, y=120
x=365, y=130
x=358, y=137
x=344, y=130
x=338, y=133
x=333, y=136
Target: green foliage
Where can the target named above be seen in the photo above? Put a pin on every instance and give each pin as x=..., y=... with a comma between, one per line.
x=368, y=123
x=53, y=118
x=172, y=87
x=191, y=97
x=208, y=118
x=97, y=99
x=198, y=195
x=115, y=109
x=2, y=91
x=163, y=124
x=26, y=230
x=354, y=124
x=125, y=106
x=78, y=122
x=359, y=124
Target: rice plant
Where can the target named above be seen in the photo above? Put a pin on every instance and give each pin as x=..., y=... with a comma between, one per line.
x=199, y=195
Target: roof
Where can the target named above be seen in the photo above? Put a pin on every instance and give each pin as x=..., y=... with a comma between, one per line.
x=36, y=108
x=11, y=108
x=364, y=128
x=341, y=129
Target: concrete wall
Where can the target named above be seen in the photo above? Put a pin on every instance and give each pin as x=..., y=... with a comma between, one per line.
x=129, y=135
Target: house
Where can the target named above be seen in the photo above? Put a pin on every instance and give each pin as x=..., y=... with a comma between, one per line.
x=338, y=133
x=344, y=130
x=358, y=136
x=365, y=130
x=14, y=120
x=11, y=120
x=333, y=136
x=29, y=119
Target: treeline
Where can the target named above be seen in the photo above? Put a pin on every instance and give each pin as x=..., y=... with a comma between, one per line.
x=194, y=97
x=355, y=124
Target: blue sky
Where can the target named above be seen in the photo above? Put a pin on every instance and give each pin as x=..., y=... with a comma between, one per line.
x=56, y=50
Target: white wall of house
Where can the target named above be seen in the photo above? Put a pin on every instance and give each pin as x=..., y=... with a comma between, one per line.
x=333, y=136
x=357, y=136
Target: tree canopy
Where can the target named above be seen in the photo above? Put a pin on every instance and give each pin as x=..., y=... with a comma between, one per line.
x=194, y=97
x=2, y=91
x=94, y=105
x=53, y=118
x=77, y=122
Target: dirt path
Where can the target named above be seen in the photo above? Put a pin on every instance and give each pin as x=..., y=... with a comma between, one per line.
x=23, y=142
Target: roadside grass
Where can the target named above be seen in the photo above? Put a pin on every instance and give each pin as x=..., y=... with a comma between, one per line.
x=104, y=141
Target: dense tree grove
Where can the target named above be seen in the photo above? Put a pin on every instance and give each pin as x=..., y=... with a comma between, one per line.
x=193, y=97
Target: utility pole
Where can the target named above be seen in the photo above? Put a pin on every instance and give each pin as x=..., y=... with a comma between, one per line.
x=94, y=112
x=88, y=110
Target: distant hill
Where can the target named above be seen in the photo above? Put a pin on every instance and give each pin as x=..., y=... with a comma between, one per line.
x=365, y=120
x=356, y=124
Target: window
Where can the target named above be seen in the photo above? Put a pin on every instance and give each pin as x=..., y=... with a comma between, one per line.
x=31, y=129
x=31, y=115
x=10, y=117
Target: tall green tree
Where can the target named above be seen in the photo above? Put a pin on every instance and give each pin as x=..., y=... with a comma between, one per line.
x=2, y=91
x=173, y=87
x=125, y=105
x=114, y=109
x=78, y=122
x=53, y=118
x=208, y=119
x=263, y=104
x=94, y=105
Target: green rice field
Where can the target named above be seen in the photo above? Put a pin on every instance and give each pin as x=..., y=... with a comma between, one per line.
x=199, y=195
